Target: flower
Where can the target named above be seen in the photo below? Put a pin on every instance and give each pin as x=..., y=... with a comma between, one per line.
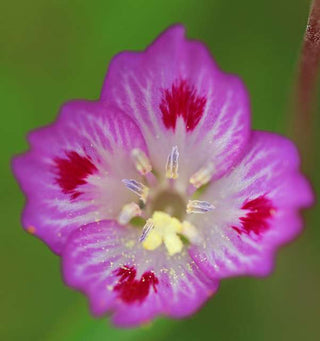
x=159, y=189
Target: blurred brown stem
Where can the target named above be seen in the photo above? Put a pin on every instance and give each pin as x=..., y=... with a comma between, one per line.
x=306, y=87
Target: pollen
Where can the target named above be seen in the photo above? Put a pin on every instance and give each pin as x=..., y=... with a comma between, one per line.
x=141, y=161
x=138, y=188
x=202, y=176
x=198, y=206
x=172, y=165
x=128, y=212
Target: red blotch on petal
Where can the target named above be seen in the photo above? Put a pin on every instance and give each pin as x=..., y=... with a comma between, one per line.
x=182, y=100
x=72, y=172
x=132, y=290
x=256, y=220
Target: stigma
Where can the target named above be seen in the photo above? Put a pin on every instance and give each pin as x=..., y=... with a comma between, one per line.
x=162, y=228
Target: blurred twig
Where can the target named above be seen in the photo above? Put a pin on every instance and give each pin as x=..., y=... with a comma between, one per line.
x=306, y=88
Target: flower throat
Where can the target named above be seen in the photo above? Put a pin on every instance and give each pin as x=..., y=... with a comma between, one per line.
x=162, y=210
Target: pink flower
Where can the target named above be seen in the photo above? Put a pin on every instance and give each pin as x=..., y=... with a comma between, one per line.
x=157, y=191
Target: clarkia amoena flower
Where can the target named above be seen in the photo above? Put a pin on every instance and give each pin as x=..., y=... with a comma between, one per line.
x=159, y=189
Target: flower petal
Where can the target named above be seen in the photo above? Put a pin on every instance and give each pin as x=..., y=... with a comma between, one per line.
x=179, y=97
x=72, y=174
x=107, y=262
x=256, y=211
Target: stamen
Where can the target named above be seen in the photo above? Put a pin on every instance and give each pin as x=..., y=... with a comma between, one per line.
x=190, y=232
x=172, y=164
x=148, y=227
x=141, y=161
x=128, y=212
x=202, y=176
x=198, y=206
x=138, y=188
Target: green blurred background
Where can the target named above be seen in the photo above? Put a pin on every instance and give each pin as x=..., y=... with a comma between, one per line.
x=53, y=51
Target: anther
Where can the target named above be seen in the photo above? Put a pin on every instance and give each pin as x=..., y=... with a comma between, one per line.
x=128, y=212
x=190, y=232
x=202, y=176
x=146, y=230
x=172, y=164
x=198, y=206
x=141, y=161
x=138, y=188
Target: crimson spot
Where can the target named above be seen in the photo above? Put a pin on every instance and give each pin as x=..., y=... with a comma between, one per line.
x=72, y=172
x=182, y=100
x=259, y=210
x=132, y=290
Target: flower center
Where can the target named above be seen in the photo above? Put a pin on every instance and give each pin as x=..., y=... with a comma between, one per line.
x=169, y=202
x=163, y=209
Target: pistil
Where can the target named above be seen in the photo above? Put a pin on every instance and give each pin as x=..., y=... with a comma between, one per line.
x=166, y=206
x=162, y=228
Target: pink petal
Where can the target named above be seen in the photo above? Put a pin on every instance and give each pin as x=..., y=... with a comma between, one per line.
x=257, y=210
x=107, y=263
x=178, y=96
x=72, y=174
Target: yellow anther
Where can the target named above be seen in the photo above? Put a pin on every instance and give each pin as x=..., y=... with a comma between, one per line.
x=202, y=176
x=141, y=161
x=128, y=212
x=162, y=228
x=172, y=165
x=190, y=232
